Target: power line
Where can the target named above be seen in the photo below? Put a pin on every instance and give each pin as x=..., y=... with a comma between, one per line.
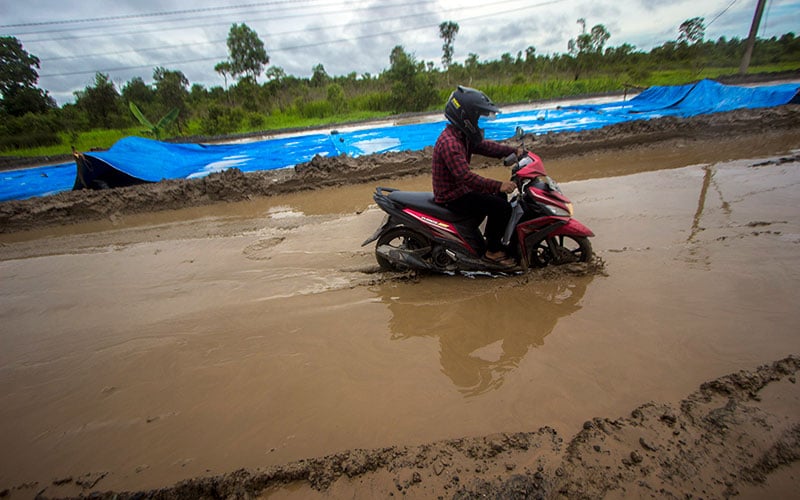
x=213, y=42
x=151, y=14
x=310, y=45
x=766, y=20
x=272, y=35
x=337, y=5
x=720, y=14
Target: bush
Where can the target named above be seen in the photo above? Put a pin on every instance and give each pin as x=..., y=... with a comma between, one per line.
x=375, y=101
x=221, y=120
x=30, y=123
x=254, y=120
x=33, y=139
x=415, y=94
x=29, y=131
x=336, y=98
x=315, y=109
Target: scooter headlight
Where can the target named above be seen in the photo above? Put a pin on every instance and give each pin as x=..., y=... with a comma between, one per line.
x=560, y=211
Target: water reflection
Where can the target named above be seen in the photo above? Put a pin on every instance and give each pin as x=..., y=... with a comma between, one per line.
x=697, y=252
x=709, y=173
x=485, y=327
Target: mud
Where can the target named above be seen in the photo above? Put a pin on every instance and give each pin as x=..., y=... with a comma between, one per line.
x=192, y=348
x=721, y=439
x=323, y=172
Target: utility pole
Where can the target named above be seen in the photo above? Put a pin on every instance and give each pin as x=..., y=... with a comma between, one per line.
x=751, y=40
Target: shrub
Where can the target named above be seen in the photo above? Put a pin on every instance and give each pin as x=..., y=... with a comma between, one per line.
x=374, y=101
x=315, y=109
x=221, y=120
x=32, y=139
x=29, y=131
x=336, y=98
x=254, y=120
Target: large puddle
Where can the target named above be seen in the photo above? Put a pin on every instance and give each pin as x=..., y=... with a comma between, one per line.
x=156, y=348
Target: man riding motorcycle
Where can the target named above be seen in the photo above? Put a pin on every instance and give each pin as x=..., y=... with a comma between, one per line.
x=458, y=188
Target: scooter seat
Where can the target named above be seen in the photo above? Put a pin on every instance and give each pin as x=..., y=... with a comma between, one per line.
x=423, y=201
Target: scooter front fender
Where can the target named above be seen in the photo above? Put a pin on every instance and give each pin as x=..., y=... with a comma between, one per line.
x=573, y=228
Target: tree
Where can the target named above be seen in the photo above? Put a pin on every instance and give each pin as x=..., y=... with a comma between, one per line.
x=247, y=54
x=276, y=74
x=599, y=37
x=691, y=33
x=139, y=92
x=172, y=92
x=471, y=62
x=692, y=30
x=100, y=102
x=336, y=98
x=618, y=55
x=587, y=47
x=412, y=88
x=319, y=77
x=530, y=58
x=18, y=77
x=589, y=43
x=578, y=44
x=224, y=69
x=447, y=32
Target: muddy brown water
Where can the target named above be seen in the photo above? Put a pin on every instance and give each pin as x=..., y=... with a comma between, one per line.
x=143, y=350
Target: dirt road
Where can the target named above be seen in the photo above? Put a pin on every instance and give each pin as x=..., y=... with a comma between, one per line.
x=143, y=348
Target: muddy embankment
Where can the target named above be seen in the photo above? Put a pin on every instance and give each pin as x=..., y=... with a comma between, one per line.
x=234, y=185
x=722, y=440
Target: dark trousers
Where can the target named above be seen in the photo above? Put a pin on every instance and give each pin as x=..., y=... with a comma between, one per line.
x=493, y=206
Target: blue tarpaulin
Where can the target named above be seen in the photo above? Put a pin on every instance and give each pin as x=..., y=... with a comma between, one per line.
x=152, y=161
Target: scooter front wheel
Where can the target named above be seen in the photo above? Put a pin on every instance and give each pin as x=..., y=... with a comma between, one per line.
x=404, y=239
x=561, y=250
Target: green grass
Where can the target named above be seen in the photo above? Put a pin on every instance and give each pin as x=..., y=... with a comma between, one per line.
x=278, y=121
x=85, y=141
x=550, y=88
x=682, y=76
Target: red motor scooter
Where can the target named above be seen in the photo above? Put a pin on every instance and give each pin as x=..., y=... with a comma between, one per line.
x=421, y=235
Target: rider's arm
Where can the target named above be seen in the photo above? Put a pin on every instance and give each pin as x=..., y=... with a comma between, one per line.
x=454, y=156
x=493, y=149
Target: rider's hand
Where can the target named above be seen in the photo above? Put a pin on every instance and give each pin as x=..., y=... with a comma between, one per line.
x=507, y=187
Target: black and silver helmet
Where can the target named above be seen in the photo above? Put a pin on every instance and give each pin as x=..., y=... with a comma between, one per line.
x=464, y=107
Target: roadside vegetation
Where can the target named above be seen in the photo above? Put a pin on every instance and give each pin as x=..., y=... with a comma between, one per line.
x=172, y=108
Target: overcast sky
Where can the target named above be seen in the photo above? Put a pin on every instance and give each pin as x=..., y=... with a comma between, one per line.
x=128, y=38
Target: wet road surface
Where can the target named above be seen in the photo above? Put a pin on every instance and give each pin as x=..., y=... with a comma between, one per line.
x=148, y=350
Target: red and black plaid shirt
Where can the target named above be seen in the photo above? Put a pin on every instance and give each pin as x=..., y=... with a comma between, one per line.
x=452, y=177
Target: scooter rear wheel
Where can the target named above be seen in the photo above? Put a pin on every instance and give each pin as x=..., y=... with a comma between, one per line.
x=402, y=238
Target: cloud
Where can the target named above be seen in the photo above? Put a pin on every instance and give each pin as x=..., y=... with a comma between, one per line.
x=130, y=38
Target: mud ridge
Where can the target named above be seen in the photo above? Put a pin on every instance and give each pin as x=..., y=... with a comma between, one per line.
x=715, y=441
x=233, y=185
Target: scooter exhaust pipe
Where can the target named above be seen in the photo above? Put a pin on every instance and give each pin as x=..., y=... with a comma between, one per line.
x=402, y=258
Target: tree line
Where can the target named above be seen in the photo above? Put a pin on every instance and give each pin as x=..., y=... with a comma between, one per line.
x=29, y=117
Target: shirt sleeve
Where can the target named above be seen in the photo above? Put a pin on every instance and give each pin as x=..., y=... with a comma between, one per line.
x=493, y=149
x=459, y=168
